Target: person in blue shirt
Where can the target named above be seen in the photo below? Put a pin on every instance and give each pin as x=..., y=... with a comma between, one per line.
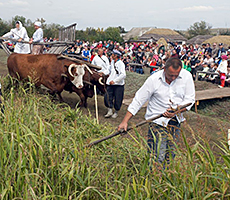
x=86, y=54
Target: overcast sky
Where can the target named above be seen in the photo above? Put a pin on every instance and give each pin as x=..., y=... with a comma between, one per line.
x=177, y=14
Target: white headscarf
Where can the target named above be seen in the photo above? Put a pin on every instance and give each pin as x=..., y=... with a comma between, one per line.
x=20, y=25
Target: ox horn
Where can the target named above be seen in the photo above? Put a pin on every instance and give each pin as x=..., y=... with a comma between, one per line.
x=70, y=68
x=100, y=81
x=90, y=71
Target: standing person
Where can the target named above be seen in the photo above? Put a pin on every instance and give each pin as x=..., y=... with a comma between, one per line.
x=222, y=69
x=102, y=61
x=170, y=87
x=115, y=85
x=37, y=37
x=19, y=33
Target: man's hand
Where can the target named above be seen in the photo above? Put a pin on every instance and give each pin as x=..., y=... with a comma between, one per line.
x=111, y=82
x=169, y=114
x=31, y=40
x=20, y=39
x=123, y=125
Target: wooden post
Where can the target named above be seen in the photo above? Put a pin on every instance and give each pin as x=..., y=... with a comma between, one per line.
x=229, y=138
x=197, y=75
x=196, y=104
x=96, y=108
x=6, y=50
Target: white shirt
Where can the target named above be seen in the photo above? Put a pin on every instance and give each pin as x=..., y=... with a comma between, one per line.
x=159, y=93
x=38, y=35
x=102, y=62
x=208, y=61
x=119, y=76
x=223, y=67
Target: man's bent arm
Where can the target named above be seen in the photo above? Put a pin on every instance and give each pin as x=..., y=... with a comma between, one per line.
x=124, y=123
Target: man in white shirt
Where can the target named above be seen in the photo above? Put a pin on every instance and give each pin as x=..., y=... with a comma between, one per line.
x=115, y=85
x=37, y=37
x=170, y=87
x=102, y=61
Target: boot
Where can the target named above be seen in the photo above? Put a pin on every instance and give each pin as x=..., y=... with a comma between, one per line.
x=115, y=115
x=109, y=113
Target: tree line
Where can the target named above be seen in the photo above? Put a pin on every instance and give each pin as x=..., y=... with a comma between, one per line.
x=52, y=30
x=91, y=34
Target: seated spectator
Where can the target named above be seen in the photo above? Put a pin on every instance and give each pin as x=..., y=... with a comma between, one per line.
x=208, y=59
x=186, y=64
x=213, y=68
x=191, y=48
x=174, y=54
x=197, y=64
x=214, y=50
x=86, y=54
x=152, y=64
x=203, y=76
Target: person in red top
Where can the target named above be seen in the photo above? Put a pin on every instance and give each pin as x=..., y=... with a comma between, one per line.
x=152, y=63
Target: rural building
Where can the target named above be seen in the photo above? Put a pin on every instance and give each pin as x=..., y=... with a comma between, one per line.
x=199, y=39
x=154, y=34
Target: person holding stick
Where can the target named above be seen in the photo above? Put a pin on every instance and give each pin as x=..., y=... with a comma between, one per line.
x=164, y=91
x=37, y=37
x=19, y=33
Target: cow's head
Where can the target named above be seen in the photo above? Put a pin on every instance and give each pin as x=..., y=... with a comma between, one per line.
x=76, y=72
x=99, y=80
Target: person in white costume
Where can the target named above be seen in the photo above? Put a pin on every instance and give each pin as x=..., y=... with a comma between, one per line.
x=37, y=37
x=19, y=33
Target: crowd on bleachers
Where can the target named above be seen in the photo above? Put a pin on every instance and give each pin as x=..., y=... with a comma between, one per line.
x=149, y=57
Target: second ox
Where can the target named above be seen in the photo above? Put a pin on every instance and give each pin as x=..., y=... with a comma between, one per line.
x=90, y=78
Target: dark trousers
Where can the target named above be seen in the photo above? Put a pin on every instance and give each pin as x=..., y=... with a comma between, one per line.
x=114, y=96
x=161, y=140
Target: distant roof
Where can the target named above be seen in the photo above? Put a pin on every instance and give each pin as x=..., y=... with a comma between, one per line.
x=136, y=32
x=225, y=39
x=199, y=39
x=144, y=34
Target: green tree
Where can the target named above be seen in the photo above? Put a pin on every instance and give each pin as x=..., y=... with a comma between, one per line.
x=18, y=18
x=52, y=30
x=4, y=27
x=113, y=33
x=199, y=28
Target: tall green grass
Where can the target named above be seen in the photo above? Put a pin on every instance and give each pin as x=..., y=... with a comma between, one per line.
x=42, y=157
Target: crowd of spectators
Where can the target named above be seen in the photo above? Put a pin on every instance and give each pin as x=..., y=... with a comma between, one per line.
x=149, y=57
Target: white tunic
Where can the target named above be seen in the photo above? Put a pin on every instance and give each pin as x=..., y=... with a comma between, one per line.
x=160, y=94
x=102, y=62
x=17, y=34
x=38, y=35
x=223, y=67
x=117, y=73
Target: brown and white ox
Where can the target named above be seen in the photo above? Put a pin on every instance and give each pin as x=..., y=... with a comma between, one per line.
x=47, y=70
x=57, y=73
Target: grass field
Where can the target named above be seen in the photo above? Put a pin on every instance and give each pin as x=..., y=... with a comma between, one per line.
x=42, y=154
